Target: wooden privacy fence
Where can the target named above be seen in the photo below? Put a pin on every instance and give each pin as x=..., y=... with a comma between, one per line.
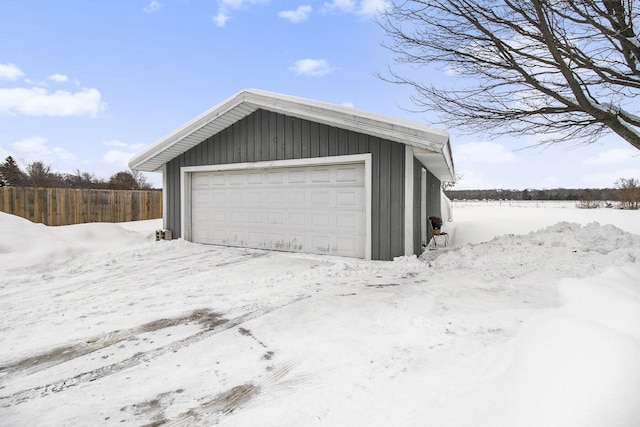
x=65, y=206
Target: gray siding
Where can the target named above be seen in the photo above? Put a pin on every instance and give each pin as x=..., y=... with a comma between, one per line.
x=268, y=136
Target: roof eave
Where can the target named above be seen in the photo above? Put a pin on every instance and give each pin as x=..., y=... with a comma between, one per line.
x=245, y=102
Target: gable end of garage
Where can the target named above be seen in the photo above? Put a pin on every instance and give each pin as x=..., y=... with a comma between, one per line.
x=266, y=136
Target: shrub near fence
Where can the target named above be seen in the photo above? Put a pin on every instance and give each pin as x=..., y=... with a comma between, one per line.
x=65, y=206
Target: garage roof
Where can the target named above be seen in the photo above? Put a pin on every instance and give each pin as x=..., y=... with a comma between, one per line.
x=432, y=145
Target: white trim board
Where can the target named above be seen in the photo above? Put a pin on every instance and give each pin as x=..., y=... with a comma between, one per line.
x=408, y=200
x=186, y=171
x=165, y=185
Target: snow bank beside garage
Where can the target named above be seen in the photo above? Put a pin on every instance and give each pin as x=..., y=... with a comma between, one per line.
x=565, y=248
x=28, y=244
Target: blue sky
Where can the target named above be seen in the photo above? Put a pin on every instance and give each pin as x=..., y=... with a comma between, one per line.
x=87, y=84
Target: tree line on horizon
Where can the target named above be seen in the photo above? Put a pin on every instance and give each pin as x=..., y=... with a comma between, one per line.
x=569, y=194
x=626, y=193
x=38, y=174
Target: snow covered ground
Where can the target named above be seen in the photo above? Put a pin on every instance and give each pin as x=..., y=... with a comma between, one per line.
x=530, y=317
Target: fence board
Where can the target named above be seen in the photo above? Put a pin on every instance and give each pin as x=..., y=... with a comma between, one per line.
x=65, y=206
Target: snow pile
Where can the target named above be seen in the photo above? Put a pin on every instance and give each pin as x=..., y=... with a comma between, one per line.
x=565, y=247
x=25, y=244
x=574, y=365
x=102, y=325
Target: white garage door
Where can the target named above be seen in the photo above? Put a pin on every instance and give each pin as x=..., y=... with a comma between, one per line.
x=313, y=209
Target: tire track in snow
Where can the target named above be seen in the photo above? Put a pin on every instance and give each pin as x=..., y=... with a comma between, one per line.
x=145, y=357
x=42, y=361
x=211, y=411
x=111, y=283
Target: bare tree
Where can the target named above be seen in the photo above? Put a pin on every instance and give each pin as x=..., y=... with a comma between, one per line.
x=566, y=69
x=80, y=179
x=141, y=180
x=448, y=185
x=40, y=175
x=628, y=193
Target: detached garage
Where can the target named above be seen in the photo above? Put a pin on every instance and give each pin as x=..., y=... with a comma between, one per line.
x=270, y=171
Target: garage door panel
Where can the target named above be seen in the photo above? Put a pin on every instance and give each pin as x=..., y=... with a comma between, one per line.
x=296, y=197
x=274, y=197
x=346, y=244
x=274, y=239
x=321, y=244
x=348, y=221
x=275, y=218
x=317, y=209
x=320, y=198
x=235, y=197
x=254, y=197
x=217, y=180
x=200, y=181
x=346, y=199
x=219, y=237
x=236, y=236
x=239, y=217
x=201, y=199
x=320, y=176
x=275, y=178
x=235, y=179
x=254, y=178
x=320, y=220
x=256, y=240
x=296, y=176
x=297, y=219
x=215, y=196
x=349, y=174
x=256, y=218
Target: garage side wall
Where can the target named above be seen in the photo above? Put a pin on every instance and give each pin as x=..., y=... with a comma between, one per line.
x=269, y=136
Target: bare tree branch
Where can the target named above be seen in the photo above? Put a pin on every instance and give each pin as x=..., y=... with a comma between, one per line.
x=568, y=70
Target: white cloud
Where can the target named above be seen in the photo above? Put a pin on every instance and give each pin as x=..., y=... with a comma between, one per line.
x=239, y=4
x=39, y=102
x=60, y=78
x=341, y=6
x=10, y=72
x=117, y=157
x=364, y=7
x=372, y=7
x=613, y=157
x=153, y=6
x=299, y=15
x=311, y=67
x=120, y=157
x=348, y=104
x=4, y=154
x=220, y=19
x=226, y=6
x=483, y=152
x=37, y=148
x=31, y=144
